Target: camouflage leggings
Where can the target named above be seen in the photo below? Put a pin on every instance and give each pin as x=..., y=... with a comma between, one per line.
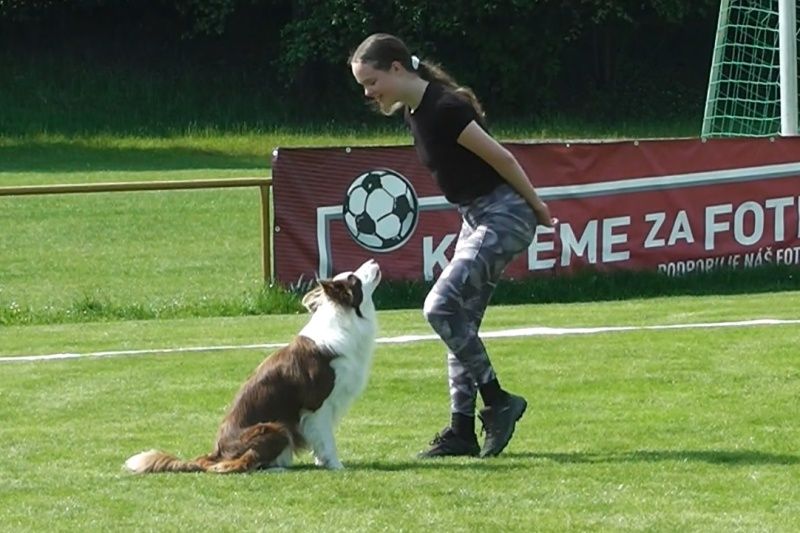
x=495, y=229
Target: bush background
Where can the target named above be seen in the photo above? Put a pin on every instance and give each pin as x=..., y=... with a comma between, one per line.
x=154, y=67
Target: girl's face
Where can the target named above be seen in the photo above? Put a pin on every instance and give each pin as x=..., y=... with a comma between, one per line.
x=383, y=86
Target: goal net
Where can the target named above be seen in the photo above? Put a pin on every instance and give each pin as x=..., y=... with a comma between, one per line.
x=753, y=81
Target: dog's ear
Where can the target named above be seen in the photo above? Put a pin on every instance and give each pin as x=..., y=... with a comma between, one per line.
x=335, y=290
x=356, y=292
x=311, y=300
x=346, y=293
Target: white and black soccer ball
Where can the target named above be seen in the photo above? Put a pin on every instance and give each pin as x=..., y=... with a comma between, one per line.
x=380, y=210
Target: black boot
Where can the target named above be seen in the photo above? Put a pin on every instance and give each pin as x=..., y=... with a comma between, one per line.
x=499, y=421
x=449, y=444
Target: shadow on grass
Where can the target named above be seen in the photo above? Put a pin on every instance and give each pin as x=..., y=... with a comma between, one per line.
x=717, y=457
x=33, y=156
x=714, y=457
x=475, y=464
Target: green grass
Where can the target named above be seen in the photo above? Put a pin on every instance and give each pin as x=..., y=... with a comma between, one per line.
x=69, y=258
x=54, y=158
x=638, y=431
x=207, y=331
x=690, y=430
x=174, y=254
x=137, y=255
x=158, y=249
x=133, y=255
x=87, y=155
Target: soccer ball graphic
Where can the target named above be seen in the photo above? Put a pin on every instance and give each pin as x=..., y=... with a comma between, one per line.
x=380, y=210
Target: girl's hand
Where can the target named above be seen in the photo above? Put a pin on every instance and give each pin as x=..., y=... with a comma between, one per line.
x=543, y=216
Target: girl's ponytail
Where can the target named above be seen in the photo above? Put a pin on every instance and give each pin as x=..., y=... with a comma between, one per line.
x=429, y=71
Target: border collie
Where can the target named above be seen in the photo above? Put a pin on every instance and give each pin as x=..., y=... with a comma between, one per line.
x=296, y=397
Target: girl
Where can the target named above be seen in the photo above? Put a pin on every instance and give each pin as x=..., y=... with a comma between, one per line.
x=499, y=208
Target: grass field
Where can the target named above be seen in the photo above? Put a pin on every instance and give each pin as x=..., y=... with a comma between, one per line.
x=686, y=429
x=66, y=258
x=643, y=430
x=152, y=252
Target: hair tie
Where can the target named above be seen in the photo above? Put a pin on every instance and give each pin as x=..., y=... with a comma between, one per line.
x=415, y=62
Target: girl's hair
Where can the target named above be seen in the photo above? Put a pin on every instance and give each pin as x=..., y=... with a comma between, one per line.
x=381, y=49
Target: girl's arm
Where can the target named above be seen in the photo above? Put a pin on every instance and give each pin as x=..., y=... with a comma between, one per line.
x=475, y=139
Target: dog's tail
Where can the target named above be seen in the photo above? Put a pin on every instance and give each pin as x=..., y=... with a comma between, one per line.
x=155, y=461
x=258, y=445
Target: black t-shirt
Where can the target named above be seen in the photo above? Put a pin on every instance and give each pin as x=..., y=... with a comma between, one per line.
x=435, y=125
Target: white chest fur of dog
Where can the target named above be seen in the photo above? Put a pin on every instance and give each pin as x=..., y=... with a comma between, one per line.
x=297, y=396
x=352, y=336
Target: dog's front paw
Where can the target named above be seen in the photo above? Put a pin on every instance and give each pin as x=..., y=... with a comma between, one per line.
x=328, y=463
x=219, y=468
x=228, y=467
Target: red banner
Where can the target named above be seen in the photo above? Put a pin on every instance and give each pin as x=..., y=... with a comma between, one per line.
x=672, y=205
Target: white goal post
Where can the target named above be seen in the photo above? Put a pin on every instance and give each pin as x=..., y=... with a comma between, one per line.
x=787, y=28
x=752, y=88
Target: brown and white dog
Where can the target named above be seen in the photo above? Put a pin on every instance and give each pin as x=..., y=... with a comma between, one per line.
x=296, y=397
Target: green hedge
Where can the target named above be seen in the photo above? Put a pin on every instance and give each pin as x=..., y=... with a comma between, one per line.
x=281, y=60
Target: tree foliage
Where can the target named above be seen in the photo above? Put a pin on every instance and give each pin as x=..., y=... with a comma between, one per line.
x=519, y=55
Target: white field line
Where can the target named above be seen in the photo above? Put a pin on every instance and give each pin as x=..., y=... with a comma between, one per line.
x=519, y=332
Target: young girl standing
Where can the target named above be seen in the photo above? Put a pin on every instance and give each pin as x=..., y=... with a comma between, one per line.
x=499, y=209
